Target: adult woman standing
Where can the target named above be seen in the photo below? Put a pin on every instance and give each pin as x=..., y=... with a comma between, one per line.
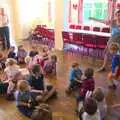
x=115, y=37
x=4, y=29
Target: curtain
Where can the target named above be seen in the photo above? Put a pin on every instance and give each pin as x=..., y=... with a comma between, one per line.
x=111, y=9
x=75, y=11
x=80, y=12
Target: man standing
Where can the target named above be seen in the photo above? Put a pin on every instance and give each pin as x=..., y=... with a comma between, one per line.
x=4, y=29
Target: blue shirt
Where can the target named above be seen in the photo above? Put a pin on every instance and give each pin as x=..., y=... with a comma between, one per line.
x=75, y=74
x=72, y=74
x=22, y=97
x=115, y=62
x=115, y=31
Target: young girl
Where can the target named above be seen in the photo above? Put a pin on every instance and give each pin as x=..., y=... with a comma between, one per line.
x=21, y=54
x=46, y=53
x=33, y=52
x=88, y=83
x=90, y=110
x=42, y=112
x=115, y=74
x=12, y=74
x=50, y=65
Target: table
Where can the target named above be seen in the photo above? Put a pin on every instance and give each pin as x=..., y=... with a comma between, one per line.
x=88, y=32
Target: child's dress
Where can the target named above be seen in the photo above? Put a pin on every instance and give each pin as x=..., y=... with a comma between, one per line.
x=50, y=67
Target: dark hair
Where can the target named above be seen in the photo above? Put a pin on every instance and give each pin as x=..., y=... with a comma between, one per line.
x=54, y=57
x=42, y=112
x=75, y=64
x=89, y=72
x=36, y=69
x=90, y=106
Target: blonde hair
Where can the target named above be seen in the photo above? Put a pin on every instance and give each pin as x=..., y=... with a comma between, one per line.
x=98, y=94
x=10, y=62
x=23, y=85
x=114, y=46
x=28, y=59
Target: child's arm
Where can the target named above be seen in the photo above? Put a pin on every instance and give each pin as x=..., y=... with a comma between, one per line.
x=116, y=71
x=79, y=81
x=24, y=104
x=115, y=106
x=37, y=91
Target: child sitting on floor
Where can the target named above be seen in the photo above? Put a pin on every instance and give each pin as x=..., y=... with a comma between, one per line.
x=90, y=110
x=50, y=65
x=33, y=52
x=36, y=81
x=75, y=77
x=98, y=95
x=24, y=98
x=21, y=54
x=114, y=49
x=46, y=53
x=11, y=53
x=12, y=75
x=87, y=85
x=42, y=112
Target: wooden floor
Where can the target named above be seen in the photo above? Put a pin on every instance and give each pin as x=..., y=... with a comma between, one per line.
x=64, y=106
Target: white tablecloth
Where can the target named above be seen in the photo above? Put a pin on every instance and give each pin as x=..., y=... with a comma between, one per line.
x=88, y=32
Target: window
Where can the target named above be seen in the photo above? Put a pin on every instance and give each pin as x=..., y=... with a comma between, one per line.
x=94, y=8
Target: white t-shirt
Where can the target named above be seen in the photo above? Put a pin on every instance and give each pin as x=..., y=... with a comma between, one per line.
x=96, y=116
x=11, y=71
x=102, y=106
x=3, y=20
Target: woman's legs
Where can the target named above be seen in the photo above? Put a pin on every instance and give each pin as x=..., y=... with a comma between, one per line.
x=104, y=63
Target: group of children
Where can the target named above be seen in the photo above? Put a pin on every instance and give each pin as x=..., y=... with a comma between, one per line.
x=30, y=91
x=91, y=103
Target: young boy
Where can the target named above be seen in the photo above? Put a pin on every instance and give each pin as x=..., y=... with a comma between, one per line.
x=36, y=81
x=75, y=77
x=88, y=85
x=115, y=74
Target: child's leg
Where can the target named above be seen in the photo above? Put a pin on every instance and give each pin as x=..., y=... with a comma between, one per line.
x=11, y=87
x=51, y=92
x=110, y=79
x=26, y=111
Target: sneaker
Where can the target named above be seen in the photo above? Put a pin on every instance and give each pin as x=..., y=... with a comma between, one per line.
x=101, y=69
